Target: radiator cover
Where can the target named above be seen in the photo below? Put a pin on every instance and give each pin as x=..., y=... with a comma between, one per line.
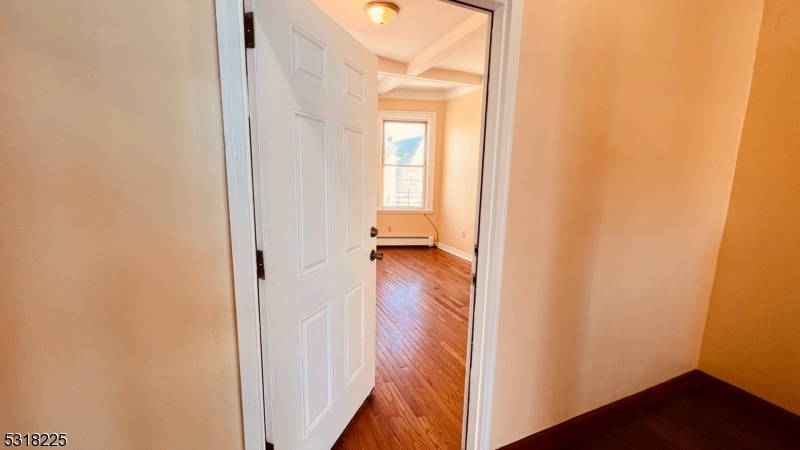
x=405, y=241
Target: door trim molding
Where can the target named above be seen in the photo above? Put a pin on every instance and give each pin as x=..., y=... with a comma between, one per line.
x=238, y=166
x=499, y=125
x=501, y=96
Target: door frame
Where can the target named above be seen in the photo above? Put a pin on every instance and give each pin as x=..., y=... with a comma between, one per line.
x=496, y=164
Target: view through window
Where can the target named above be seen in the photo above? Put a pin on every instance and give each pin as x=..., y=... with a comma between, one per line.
x=404, y=164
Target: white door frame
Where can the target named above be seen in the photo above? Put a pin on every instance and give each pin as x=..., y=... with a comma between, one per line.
x=499, y=124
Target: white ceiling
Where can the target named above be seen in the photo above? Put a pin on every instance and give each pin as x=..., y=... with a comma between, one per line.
x=470, y=58
x=426, y=36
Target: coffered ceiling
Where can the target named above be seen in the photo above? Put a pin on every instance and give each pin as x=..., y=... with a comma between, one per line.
x=432, y=51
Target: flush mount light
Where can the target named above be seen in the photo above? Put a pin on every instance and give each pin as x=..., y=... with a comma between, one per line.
x=381, y=12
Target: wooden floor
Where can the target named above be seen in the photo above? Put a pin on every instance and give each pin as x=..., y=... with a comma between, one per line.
x=700, y=418
x=422, y=318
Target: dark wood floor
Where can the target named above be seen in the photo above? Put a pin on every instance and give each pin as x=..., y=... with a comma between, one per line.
x=700, y=418
x=422, y=318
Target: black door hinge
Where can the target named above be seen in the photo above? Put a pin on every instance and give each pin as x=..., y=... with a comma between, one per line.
x=260, y=265
x=476, y=249
x=474, y=280
x=249, y=31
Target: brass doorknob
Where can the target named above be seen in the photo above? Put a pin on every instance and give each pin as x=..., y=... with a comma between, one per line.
x=375, y=255
x=373, y=232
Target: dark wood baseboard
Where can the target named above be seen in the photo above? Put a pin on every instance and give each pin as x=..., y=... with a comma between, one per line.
x=593, y=421
x=578, y=427
x=783, y=419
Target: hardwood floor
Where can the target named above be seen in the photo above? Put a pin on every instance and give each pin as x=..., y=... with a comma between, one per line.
x=422, y=318
x=702, y=418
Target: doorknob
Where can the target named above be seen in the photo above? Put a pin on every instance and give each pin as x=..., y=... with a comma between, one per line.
x=373, y=232
x=375, y=255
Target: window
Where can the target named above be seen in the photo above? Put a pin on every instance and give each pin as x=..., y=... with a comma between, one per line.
x=407, y=157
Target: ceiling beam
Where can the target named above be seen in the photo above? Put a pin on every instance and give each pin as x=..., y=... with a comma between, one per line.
x=389, y=82
x=450, y=43
x=392, y=69
x=416, y=94
x=389, y=66
x=451, y=77
x=394, y=73
x=458, y=91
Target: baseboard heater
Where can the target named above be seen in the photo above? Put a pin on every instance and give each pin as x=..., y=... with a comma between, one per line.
x=405, y=241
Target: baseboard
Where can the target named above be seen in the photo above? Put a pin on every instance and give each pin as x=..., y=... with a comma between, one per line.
x=593, y=421
x=404, y=241
x=454, y=251
x=786, y=420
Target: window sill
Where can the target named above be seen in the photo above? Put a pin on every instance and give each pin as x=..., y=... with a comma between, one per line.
x=405, y=211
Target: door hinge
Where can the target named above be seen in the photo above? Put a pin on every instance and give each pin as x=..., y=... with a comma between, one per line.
x=474, y=280
x=476, y=249
x=260, y=265
x=249, y=31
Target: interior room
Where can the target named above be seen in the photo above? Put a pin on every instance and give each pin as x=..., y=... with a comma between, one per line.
x=431, y=68
x=188, y=190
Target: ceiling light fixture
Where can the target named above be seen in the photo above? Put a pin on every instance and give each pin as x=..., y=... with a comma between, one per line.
x=381, y=12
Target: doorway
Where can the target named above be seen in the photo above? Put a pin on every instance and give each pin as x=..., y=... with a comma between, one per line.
x=313, y=367
x=431, y=99
x=432, y=63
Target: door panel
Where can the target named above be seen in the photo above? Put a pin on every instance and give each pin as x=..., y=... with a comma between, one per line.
x=354, y=332
x=311, y=163
x=353, y=83
x=309, y=58
x=354, y=190
x=315, y=342
x=316, y=102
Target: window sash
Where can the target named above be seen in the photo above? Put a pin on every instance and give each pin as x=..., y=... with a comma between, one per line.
x=425, y=137
x=427, y=147
x=407, y=166
x=423, y=193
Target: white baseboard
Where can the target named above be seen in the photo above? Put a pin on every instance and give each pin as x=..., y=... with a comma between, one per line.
x=454, y=251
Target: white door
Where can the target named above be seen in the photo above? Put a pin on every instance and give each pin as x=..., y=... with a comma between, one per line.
x=316, y=95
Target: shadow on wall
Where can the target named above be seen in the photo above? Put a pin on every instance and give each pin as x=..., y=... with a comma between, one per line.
x=117, y=317
x=627, y=127
x=752, y=338
x=575, y=183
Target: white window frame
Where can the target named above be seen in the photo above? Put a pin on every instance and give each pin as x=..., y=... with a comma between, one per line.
x=429, y=118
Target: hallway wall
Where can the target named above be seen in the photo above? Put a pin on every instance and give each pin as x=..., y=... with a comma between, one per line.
x=752, y=336
x=628, y=121
x=117, y=321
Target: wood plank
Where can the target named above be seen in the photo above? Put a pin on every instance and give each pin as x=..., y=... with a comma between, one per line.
x=694, y=411
x=422, y=320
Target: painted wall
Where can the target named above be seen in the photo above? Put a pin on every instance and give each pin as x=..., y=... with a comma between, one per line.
x=752, y=336
x=628, y=122
x=413, y=224
x=459, y=186
x=116, y=297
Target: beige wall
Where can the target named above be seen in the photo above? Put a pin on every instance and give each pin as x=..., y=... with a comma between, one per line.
x=407, y=224
x=116, y=305
x=752, y=336
x=628, y=121
x=459, y=186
